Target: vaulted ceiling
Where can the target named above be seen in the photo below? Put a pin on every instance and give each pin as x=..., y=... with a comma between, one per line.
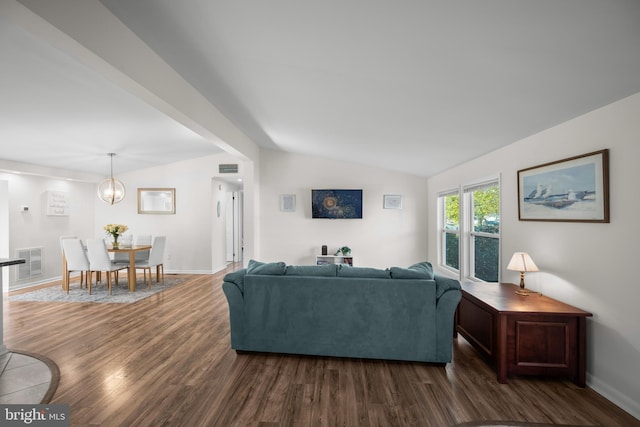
x=414, y=86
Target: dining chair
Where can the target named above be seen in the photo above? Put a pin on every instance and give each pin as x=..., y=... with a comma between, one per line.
x=99, y=260
x=140, y=240
x=156, y=256
x=137, y=240
x=123, y=257
x=76, y=261
x=64, y=264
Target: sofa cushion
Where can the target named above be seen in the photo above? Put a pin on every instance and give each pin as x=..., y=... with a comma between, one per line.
x=326, y=270
x=270, y=268
x=237, y=278
x=346, y=270
x=421, y=270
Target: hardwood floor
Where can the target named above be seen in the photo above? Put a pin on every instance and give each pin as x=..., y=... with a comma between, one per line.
x=166, y=360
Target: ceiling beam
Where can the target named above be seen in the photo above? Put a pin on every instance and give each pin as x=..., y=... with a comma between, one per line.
x=89, y=32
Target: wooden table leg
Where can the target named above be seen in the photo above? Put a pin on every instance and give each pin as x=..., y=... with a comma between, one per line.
x=501, y=359
x=65, y=282
x=580, y=378
x=131, y=273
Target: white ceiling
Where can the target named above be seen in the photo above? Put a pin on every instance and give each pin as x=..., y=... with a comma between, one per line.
x=416, y=86
x=58, y=113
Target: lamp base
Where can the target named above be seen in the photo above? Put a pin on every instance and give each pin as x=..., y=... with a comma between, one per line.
x=526, y=292
x=522, y=291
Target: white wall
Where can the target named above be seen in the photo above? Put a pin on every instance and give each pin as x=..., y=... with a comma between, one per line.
x=384, y=237
x=193, y=231
x=36, y=229
x=195, y=236
x=591, y=266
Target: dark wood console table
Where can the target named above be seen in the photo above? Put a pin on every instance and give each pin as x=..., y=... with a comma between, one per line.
x=523, y=335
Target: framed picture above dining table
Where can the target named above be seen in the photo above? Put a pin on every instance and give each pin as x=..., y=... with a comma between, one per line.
x=157, y=201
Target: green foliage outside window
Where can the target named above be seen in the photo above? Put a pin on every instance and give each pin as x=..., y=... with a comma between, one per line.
x=452, y=222
x=452, y=246
x=486, y=210
x=452, y=212
x=487, y=258
x=486, y=219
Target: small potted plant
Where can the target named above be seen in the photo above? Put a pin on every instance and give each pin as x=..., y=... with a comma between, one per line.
x=346, y=250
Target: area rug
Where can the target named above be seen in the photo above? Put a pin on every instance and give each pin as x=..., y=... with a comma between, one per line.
x=99, y=292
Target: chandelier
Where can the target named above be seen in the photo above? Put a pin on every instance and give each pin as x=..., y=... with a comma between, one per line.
x=111, y=190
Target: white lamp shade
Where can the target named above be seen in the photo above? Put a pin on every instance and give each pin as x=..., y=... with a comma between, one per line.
x=521, y=261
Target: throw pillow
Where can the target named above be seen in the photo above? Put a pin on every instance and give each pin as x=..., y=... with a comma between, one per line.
x=270, y=268
x=421, y=270
x=327, y=270
x=346, y=270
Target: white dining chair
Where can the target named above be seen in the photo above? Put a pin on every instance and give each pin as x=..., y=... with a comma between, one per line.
x=137, y=240
x=156, y=259
x=99, y=261
x=64, y=264
x=122, y=257
x=140, y=240
x=76, y=260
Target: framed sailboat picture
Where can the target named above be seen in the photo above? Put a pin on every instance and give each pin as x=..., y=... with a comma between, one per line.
x=575, y=189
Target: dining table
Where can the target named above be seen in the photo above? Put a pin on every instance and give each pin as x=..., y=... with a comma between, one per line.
x=131, y=274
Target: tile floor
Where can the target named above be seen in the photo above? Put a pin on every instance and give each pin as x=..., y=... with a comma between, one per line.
x=23, y=379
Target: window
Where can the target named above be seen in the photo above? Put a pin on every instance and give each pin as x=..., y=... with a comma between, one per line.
x=484, y=231
x=470, y=231
x=450, y=231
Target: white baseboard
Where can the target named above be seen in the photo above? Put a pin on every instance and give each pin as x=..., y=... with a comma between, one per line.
x=16, y=287
x=617, y=398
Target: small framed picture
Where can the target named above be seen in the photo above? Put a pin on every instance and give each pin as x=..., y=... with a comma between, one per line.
x=288, y=202
x=392, y=201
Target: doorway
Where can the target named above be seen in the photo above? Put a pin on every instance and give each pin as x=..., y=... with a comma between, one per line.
x=234, y=227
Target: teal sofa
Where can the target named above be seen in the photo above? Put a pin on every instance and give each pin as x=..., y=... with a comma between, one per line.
x=343, y=311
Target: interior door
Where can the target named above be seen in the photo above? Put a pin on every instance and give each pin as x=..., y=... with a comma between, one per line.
x=234, y=227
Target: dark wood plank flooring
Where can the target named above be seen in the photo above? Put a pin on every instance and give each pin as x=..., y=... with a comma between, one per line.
x=167, y=361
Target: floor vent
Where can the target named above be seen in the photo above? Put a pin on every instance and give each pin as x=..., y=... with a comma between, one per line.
x=228, y=168
x=33, y=263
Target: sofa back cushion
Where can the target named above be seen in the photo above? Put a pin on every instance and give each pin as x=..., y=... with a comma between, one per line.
x=327, y=270
x=421, y=270
x=270, y=268
x=346, y=270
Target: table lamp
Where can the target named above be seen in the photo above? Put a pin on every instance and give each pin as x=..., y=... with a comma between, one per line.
x=521, y=261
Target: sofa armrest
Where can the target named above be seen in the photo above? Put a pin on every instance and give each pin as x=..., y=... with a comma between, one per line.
x=448, y=295
x=445, y=314
x=236, y=317
x=445, y=284
x=237, y=278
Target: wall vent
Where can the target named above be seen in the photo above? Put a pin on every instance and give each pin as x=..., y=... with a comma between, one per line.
x=228, y=168
x=33, y=263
